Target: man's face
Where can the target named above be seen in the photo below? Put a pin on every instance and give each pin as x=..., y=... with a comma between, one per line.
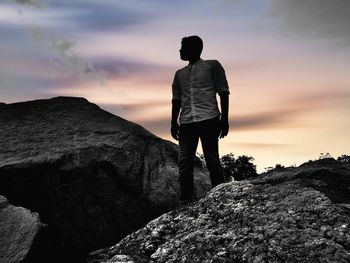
x=185, y=52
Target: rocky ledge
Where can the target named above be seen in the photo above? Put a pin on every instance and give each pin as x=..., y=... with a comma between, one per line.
x=297, y=214
x=93, y=177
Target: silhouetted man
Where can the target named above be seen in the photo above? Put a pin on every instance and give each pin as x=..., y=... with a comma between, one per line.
x=194, y=93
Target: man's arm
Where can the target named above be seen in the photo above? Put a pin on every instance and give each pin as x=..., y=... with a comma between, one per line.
x=222, y=89
x=224, y=102
x=176, y=105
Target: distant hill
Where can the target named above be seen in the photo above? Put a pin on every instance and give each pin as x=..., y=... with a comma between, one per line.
x=91, y=176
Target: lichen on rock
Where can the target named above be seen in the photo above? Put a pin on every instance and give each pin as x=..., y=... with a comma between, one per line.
x=282, y=217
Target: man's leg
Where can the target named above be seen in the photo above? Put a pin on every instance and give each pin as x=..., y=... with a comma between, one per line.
x=188, y=141
x=210, y=143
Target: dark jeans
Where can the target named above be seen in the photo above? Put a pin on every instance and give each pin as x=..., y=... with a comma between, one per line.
x=208, y=131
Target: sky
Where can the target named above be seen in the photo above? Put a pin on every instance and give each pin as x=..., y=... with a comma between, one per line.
x=287, y=65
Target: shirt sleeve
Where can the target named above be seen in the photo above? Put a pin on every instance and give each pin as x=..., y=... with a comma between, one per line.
x=220, y=82
x=176, y=88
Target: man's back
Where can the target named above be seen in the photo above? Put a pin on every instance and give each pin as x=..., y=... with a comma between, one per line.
x=196, y=86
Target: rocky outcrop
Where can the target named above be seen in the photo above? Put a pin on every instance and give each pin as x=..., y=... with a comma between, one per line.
x=292, y=215
x=93, y=177
x=18, y=228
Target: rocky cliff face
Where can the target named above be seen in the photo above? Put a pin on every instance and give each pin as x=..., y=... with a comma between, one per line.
x=92, y=177
x=293, y=215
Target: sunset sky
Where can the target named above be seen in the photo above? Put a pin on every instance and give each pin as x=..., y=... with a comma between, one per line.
x=287, y=63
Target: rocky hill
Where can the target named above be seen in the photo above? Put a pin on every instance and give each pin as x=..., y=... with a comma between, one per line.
x=92, y=177
x=297, y=214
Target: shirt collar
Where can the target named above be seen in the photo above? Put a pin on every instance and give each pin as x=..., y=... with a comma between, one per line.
x=195, y=63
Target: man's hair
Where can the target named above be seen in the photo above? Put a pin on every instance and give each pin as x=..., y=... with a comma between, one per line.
x=194, y=42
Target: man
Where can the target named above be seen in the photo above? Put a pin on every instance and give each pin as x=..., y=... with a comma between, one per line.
x=194, y=93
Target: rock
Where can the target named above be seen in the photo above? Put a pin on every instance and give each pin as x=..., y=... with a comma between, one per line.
x=92, y=176
x=278, y=217
x=322, y=162
x=18, y=228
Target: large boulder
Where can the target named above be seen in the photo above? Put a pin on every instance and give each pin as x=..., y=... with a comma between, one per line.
x=92, y=176
x=18, y=229
x=292, y=215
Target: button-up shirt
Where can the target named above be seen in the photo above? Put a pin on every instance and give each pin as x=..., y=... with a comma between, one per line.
x=196, y=87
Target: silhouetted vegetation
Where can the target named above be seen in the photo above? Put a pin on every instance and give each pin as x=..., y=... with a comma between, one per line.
x=323, y=159
x=238, y=168
x=344, y=158
x=324, y=155
x=242, y=167
x=279, y=167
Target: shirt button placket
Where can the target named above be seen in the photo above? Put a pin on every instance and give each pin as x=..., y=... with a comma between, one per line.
x=192, y=81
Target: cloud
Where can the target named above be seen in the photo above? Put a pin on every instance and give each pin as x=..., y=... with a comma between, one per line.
x=261, y=145
x=138, y=106
x=102, y=17
x=91, y=16
x=314, y=18
x=36, y=3
x=140, y=110
x=257, y=121
x=37, y=73
x=137, y=71
x=66, y=57
x=263, y=120
x=285, y=117
x=292, y=109
x=82, y=15
x=119, y=66
x=30, y=81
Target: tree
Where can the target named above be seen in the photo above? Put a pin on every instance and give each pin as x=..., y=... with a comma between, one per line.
x=228, y=165
x=245, y=168
x=238, y=169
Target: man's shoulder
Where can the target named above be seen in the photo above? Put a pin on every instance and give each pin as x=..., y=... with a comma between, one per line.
x=179, y=71
x=212, y=62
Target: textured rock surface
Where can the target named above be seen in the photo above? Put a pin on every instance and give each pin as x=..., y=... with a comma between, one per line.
x=93, y=177
x=18, y=228
x=294, y=215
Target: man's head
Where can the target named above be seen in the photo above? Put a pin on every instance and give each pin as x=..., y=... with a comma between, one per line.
x=191, y=48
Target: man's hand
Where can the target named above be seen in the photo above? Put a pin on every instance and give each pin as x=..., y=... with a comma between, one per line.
x=224, y=127
x=224, y=101
x=175, y=131
x=175, y=110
